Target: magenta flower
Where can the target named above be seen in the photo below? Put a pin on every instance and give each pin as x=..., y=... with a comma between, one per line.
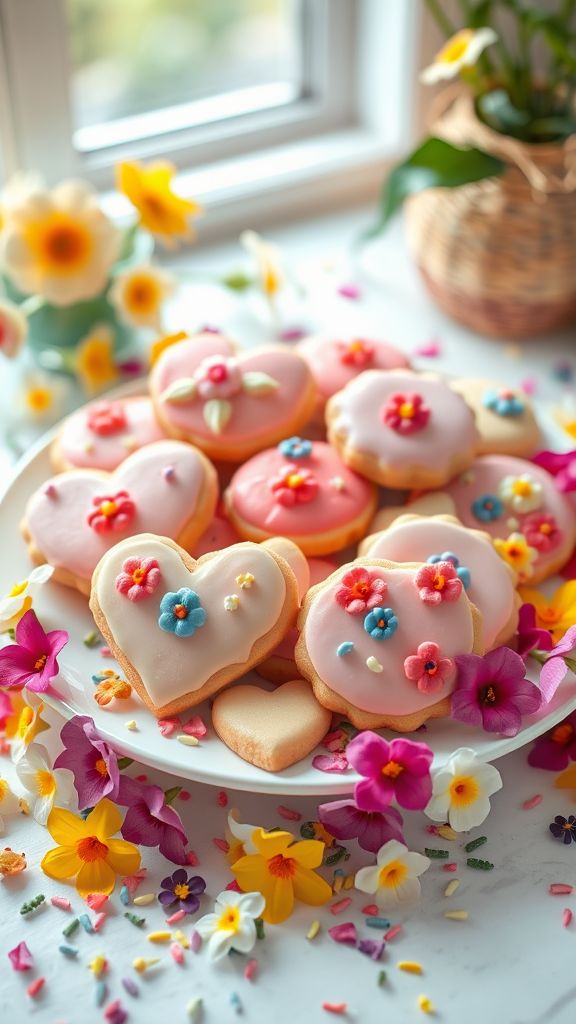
x=556, y=748
x=150, y=821
x=360, y=590
x=438, y=582
x=530, y=637
x=138, y=579
x=6, y=710
x=492, y=692
x=31, y=661
x=427, y=668
x=561, y=465
x=112, y=512
x=398, y=769
x=92, y=762
x=371, y=828
x=557, y=664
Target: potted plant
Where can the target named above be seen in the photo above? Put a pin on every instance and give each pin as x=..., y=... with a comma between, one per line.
x=491, y=211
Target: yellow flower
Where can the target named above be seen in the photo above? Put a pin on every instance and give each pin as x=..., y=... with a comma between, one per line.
x=281, y=871
x=556, y=613
x=158, y=347
x=267, y=256
x=95, y=359
x=149, y=189
x=566, y=779
x=516, y=551
x=86, y=850
x=138, y=294
x=59, y=244
x=19, y=599
x=26, y=723
x=460, y=51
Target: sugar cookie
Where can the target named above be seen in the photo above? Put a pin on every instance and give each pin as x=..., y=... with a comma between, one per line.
x=335, y=362
x=504, y=417
x=102, y=434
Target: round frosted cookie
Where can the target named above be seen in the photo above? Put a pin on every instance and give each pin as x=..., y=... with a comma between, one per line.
x=517, y=503
x=504, y=417
x=104, y=433
x=402, y=429
x=303, y=491
x=230, y=405
x=334, y=362
x=378, y=641
x=219, y=534
x=168, y=488
x=489, y=582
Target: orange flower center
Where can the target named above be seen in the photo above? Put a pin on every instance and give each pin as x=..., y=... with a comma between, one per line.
x=295, y=480
x=108, y=508
x=356, y=346
x=181, y=891
x=91, y=849
x=406, y=410
x=563, y=733
x=139, y=575
x=360, y=589
x=392, y=769
x=100, y=766
x=522, y=488
x=546, y=529
x=40, y=662
x=66, y=244
x=180, y=611
x=282, y=867
x=439, y=583
x=550, y=615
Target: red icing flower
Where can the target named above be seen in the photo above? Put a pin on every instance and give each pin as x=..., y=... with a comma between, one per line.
x=112, y=512
x=541, y=531
x=406, y=413
x=138, y=579
x=357, y=353
x=360, y=590
x=438, y=582
x=294, y=486
x=106, y=418
x=427, y=668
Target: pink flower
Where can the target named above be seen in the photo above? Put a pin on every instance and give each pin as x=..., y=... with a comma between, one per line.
x=360, y=590
x=106, y=418
x=294, y=486
x=20, y=957
x=398, y=769
x=371, y=828
x=139, y=578
x=438, y=582
x=113, y=512
x=406, y=413
x=218, y=377
x=530, y=637
x=541, y=531
x=427, y=668
x=31, y=661
x=556, y=748
x=492, y=692
x=357, y=353
x=561, y=465
x=557, y=664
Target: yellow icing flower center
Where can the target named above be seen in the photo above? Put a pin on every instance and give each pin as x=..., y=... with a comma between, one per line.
x=295, y=480
x=45, y=783
x=392, y=769
x=282, y=867
x=464, y=790
x=359, y=589
x=230, y=920
x=138, y=575
x=100, y=766
x=522, y=488
x=91, y=849
x=406, y=410
x=181, y=891
x=108, y=508
x=40, y=662
x=392, y=875
x=545, y=528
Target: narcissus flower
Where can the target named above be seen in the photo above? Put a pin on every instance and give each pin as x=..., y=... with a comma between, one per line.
x=19, y=598
x=461, y=790
x=282, y=871
x=461, y=51
x=556, y=612
x=95, y=360
x=393, y=880
x=231, y=926
x=43, y=783
x=26, y=722
x=139, y=293
x=161, y=211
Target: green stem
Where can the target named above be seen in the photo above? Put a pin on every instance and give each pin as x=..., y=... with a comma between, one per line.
x=125, y=762
x=443, y=22
x=171, y=794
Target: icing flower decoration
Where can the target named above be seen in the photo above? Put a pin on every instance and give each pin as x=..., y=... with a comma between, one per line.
x=19, y=599
x=92, y=762
x=31, y=661
x=294, y=485
x=281, y=871
x=357, y=353
x=459, y=52
x=556, y=748
x=344, y=820
x=399, y=768
x=393, y=880
x=105, y=418
x=406, y=414
x=150, y=821
x=438, y=582
x=521, y=493
x=11, y=863
x=295, y=448
x=9, y=803
x=492, y=692
x=245, y=580
x=87, y=850
x=461, y=790
x=160, y=210
x=556, y=612
x=487, y=508
x=231, y=925
x=13, y=329
x=427, y=668
x=461, y=571
x=541, y=531
x=562, y=466
x=109, y=687
x=218, y=377
x=360, y=590
x=179, y=889
x=516, y=551
x=112, y=513
x=381, y=623
x=503, y=402
x=138, y=579
x=43, y=783
x=531, y=637
x=181, y=612
x=564, y=828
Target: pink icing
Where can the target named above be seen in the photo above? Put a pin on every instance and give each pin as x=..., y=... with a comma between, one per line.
x=388, y=692
x=254, y=500
x=438, y=583
x=58, y=523
x=80, y=446
x=333, y=362
x=220, y=534
x=111, y=513
x=138, y=579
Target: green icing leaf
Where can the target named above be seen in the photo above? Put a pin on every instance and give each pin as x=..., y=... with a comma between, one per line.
x=256, y=383
x=180, y=391
x=216, y=413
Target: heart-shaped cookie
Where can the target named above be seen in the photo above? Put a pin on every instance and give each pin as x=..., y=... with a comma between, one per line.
x=270, y=729
x=181, y=629
x=231, y=405
x=167, y=488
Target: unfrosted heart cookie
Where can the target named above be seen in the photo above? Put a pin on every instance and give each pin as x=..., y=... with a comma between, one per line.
x=504, y=417
x=181, y=629
x=102, y=434
x=271, y=730
x=169, y=488
x=230, y=405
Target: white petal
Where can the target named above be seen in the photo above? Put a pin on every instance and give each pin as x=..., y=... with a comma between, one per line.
x=392, y=850
x=463, y=761
x=251, y=903
x=207, y=925
x=489, y=779
x=407, y=892
x=242, y=832
x=41, y=808
x=439, y=72
x=437, y=807
x=10, y=803
x=245, y=938
x=416, y=863
x=367, y=879
x=218, y=944
x=462, y=819
x=41, y=574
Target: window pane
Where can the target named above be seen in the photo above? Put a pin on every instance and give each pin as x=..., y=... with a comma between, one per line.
x=137, y=57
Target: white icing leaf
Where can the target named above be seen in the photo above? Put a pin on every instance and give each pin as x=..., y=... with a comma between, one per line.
x=217, y=412
x=257, y=383
x=180, y=391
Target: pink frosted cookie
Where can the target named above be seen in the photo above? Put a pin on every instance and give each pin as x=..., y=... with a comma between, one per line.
x=517, y=503
x=378, y=641
x=229, y=405
x=489, y=582
x=303, y=491
x=102, y=434
x=167, y=488
x=334, y=363
x=220, y=534
x=402, y=429
x=504, y=417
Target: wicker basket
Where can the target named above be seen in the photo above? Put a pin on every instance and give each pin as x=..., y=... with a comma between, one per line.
x=500, y=255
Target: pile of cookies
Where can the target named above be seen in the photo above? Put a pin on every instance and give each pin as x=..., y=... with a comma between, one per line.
x=324, y=514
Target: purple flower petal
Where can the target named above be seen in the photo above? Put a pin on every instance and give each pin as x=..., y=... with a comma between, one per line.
x=190, y=903
x=371, y=947
x=180, y=876
x=167, y=898
x=551, y=675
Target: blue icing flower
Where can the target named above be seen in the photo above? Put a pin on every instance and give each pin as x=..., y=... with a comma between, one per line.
x=503, y=402
x=295, y=448
x=181, y=613
x=487, y=508
x=461, y=570
x=381, y=623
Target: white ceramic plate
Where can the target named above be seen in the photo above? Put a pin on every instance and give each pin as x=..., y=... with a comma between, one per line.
x=210, y=762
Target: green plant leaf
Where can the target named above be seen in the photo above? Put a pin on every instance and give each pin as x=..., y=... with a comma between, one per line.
x=435, y=164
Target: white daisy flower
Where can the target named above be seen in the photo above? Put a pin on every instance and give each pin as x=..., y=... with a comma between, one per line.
x=461, y=790
x=42, y=782
x=393, y=880
x=460, y=51
x=521, y=493
x=231, y=926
